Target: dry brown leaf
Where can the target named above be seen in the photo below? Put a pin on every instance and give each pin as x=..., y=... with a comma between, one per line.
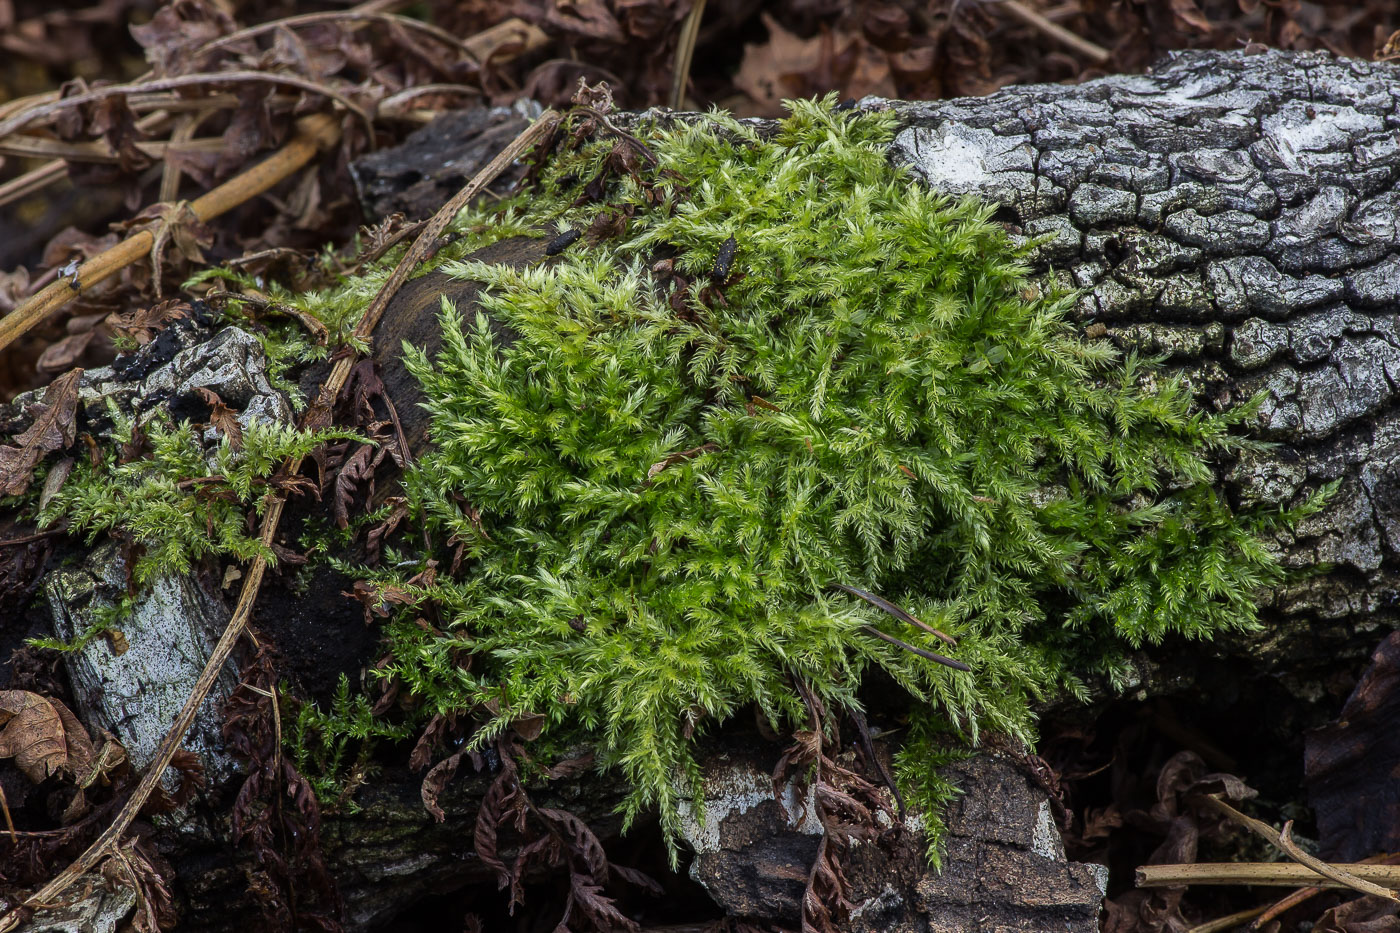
x=223, y=418
x=59, y=356
x=171, y=224
x=1189, y=16
x=788, y=66
x=54, y=428
x=14, y=288
x=143, y=324
x=42, y=735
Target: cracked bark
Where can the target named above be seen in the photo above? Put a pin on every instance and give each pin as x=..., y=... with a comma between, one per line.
x=1236, y=214
x=1239, y=215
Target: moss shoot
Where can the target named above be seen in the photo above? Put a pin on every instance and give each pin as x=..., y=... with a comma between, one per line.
x=658, y=476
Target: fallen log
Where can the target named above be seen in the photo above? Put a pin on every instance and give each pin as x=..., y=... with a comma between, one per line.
x=1236, y=213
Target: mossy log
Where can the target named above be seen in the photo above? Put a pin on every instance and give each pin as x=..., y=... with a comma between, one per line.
x=1239, y=214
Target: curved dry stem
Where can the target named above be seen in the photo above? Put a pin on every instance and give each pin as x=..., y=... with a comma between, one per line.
x=308, y=19
x=44, y=111
x=685, y=50
x=1286, y=843
x=1284, y=840
x=394, y=100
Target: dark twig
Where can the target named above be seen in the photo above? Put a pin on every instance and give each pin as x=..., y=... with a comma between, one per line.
x=881, y=603
x=947, y=662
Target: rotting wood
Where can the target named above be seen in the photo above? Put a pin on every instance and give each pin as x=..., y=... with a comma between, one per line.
x=253, y=576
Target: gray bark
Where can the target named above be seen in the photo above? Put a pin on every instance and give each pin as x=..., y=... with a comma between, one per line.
x=1240, y=215
x=1236, y=213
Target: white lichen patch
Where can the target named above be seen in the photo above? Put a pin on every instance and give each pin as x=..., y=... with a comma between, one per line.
x=1300, y=127
x=135, y=695
x=960, y=160
x=735, y=789
x=1045, y=835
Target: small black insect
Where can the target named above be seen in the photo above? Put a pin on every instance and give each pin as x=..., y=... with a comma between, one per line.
x=562, y=242
x=724, y=259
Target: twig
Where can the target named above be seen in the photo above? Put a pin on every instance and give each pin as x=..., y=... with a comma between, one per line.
x=9, y=820
x=393, y=101
x=1286, y=843
x=1284, y=840
x=879, y=602
x=185, y=126
x=31, y=182
x=929, y=655
x=310, y=19
x=1268, y=874
x=318, y=132
x=685, y=50
x=45, y=175
x=36, y=536
x=252, y=580
x=98, y=151
x=20, y=120
x=1228, y=922
x=1302, y=895
x=1060, y=34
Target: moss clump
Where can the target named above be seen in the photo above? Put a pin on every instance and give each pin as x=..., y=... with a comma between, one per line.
x=177, y=503
x=657, y=493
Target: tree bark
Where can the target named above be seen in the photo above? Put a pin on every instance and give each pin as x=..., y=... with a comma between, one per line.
x=1235, y=213
x=1238, y=214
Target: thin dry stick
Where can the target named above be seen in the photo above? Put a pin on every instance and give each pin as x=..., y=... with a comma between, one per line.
x=252, y=580
x=1268, y=874
x=685, y=50
x=1284, y=840
x=20, y=120
x=317, y=132
x=1302, y=895
x=45, y=175
x=32, y=182
x=926, y=655
x=1286, y=843
x=879, y=602
x=362, y=15
x=1228, y=922
x=97, y=151
x=185, y=125
x=394, y=101
x=1097, y=53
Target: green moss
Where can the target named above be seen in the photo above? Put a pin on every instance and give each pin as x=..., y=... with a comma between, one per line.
x=332, y=748
x=175, y=504
x=659, y=494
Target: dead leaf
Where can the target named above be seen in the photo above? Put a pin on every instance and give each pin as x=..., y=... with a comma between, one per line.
x=1349, y=765
x=14, y=288
x=589, y=19
x=142, y=325
x=223, y=418
x=169, y=224
x=1367, y=914
x=1189, y=16
x=61, y=355
x=53, y=482
x=788, y=66
x=54, y=428
x=42, y=736
x=359, y=468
